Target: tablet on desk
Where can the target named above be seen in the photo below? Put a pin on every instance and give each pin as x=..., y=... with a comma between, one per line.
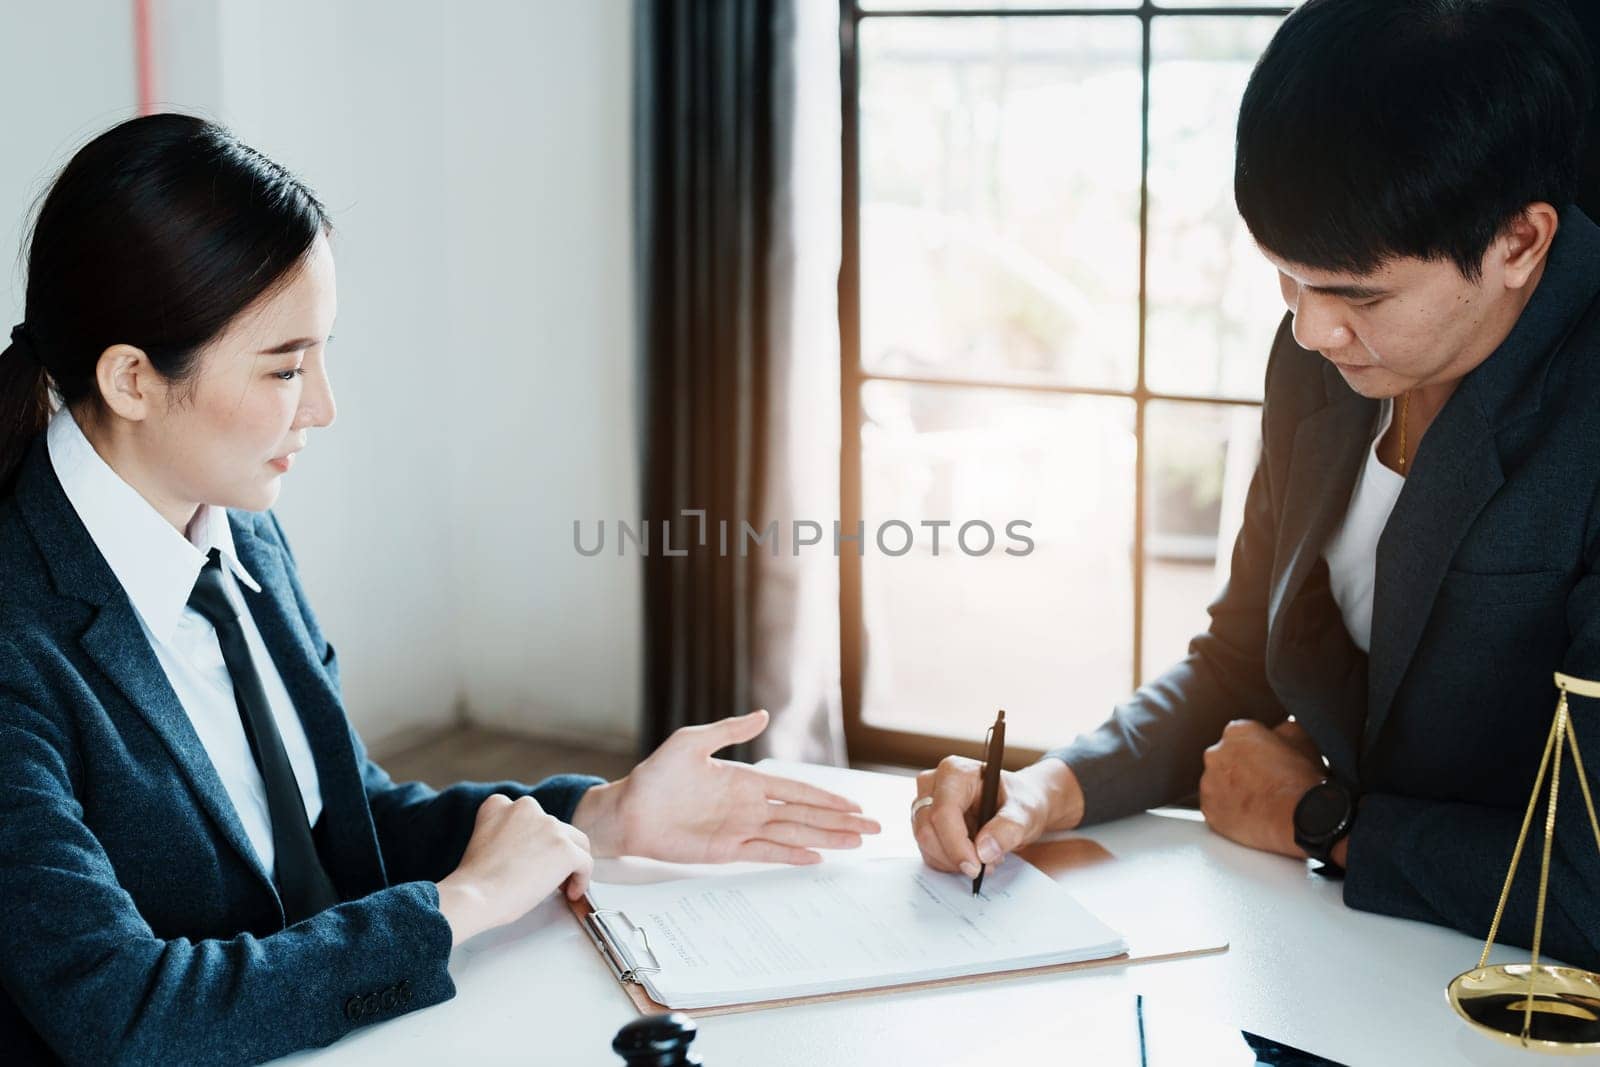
x=1172, y=1036
x=1140, y=1031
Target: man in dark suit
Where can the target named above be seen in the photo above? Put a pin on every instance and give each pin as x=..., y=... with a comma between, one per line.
x=1420, y=549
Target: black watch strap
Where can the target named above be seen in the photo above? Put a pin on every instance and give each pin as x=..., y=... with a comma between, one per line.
x=1323, y=818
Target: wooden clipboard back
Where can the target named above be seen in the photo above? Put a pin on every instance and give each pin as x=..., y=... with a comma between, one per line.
x=1055, y=858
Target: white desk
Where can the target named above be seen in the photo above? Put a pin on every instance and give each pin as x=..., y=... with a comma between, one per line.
x=1303, y=969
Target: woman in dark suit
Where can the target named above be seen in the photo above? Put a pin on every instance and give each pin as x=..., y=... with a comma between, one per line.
x=198, y=862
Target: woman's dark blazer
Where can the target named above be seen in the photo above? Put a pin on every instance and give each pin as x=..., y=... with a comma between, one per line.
x=136, y=922
x=1488, y=582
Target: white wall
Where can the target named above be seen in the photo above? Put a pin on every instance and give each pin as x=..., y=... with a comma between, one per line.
x=541, y=308
x=476, y=160
x=66, y=72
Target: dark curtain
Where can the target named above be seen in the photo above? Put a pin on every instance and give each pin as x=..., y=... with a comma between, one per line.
x=705, y=145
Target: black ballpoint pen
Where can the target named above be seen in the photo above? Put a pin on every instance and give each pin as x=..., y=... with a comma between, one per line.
x=994, y=754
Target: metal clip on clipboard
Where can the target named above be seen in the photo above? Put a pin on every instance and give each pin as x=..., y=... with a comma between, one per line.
x=618, y=956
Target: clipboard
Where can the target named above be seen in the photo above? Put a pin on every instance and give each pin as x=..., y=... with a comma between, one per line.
x=626, y=950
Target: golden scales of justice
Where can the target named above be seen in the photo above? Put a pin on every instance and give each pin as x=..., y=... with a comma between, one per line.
x=1538, y=1006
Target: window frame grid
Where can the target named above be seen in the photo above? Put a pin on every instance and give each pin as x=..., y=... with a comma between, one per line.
x=871, y=744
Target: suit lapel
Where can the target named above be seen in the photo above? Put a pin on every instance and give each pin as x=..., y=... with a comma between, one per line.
x=355, y=862
x=1457, y=470
x=1329, y=447
x=117, y=645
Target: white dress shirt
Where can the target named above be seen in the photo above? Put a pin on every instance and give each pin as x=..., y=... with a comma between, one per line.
x=157, y=568
x=1352, y=551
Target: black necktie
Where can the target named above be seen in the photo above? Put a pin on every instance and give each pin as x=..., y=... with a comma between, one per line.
x=302, y=881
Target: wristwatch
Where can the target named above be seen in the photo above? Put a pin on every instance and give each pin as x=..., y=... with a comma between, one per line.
x=1321, y=820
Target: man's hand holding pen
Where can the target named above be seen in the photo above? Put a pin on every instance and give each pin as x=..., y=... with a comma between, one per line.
x=1032, y=802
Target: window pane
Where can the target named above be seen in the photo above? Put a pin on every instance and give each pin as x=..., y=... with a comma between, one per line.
x=951, y=637
x=1198, y=464
x=1000, y=198
x=1213, y=300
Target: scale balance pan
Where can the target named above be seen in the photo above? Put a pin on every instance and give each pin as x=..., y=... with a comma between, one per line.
x=1566, y=1005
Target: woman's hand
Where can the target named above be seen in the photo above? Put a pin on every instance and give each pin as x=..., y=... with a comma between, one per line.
x=1034, y=800
x=518, y=855
x=682, y=805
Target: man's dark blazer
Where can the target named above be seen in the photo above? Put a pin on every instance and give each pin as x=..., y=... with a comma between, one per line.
x=1488, y=581
x=137, y=924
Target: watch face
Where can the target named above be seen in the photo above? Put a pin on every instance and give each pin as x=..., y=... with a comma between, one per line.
x=1321, y=810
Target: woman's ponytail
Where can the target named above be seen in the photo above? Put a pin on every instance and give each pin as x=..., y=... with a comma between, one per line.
x=24, y=401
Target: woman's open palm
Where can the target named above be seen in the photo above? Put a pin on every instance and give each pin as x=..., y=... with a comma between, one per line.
x=686, y=806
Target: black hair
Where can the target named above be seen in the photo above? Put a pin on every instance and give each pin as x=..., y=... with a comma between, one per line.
x=156, y=234
x=1376, y=129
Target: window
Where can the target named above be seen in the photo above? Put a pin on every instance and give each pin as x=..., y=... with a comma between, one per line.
x=1049, y=313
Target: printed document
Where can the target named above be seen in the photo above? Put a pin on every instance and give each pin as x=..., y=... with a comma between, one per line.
x=834, y=927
